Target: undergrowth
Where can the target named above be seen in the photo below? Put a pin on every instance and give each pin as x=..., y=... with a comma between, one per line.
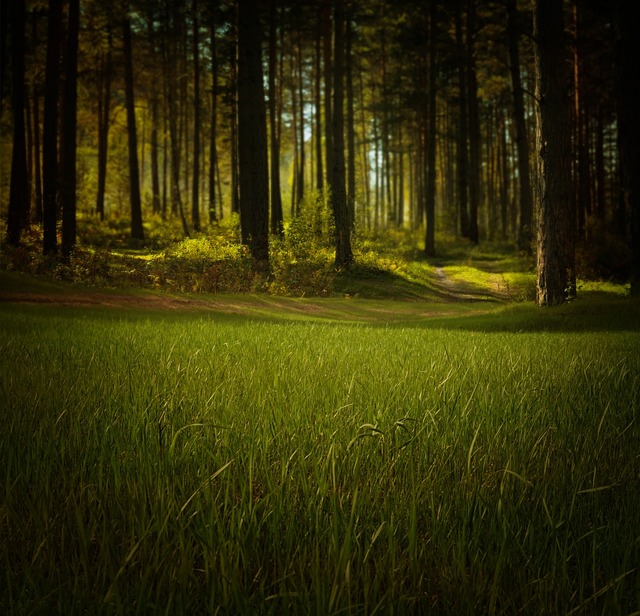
x=389, y=264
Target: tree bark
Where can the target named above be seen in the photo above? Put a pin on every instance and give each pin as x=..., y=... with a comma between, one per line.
x=474, y=126
x=252, y=135
x=628, y=91
x=69, y=128
x=277, y=227
x=351, y=129
x=522, y=141
x=50, y=130
x=430, y=189
x=195, y=187
x=344, y=255
x=137, y=231
x=18, y=189
x=328, y=88
x=104, y=110
x=556, y=250
x=213, y=147
x=462, y=155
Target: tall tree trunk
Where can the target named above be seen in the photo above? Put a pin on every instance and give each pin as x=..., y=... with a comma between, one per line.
x=69, y=126
x=628, y=91
x=235, y=184
x=430, y=188
x=463, y=131
x=50, y=130
x=277, y=227
x=318, y=102
x=195, y=189
x=301, y=124
x=525, y=235
x=328, y=88
x=351, y=128
x=474, y=127
x=599, y=164
x=252, y=134
x=137, y=231
x=104, y=112
x=213, y=147
x=18, y=190
x=344, y=255
x=556, y=249
x=582, y=164
x=37, y=155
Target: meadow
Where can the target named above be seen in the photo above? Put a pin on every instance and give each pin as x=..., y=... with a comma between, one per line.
x=326, y=456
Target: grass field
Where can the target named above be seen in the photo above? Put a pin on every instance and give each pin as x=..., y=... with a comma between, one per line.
x=320, y=457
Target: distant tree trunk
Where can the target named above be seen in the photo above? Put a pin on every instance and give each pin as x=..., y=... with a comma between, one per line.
x=104, y=112
x=18, y=190
x=137, y=231
x=628, y=91
x=599, y=167
x=463, y=131
x=195, y=190
x=37, y=155
x=430, y=201
x=344, y=255
x=474, y=127
x=69, y=128
x=277, y=227
x=235, y=185
x=556, y=251
x=318, y=102
x=50, y=130
x=522, y=142
x=351, y=128
x=328, y=88
x=582, y=166
x=301, y=124
x=213, y=138
x=252, y=134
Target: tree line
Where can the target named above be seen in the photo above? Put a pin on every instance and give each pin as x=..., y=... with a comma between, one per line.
x=507, y=120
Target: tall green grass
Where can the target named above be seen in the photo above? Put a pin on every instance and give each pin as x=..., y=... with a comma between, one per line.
x=167, y=463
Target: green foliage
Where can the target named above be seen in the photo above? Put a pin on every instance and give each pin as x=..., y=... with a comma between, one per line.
x=203, y=463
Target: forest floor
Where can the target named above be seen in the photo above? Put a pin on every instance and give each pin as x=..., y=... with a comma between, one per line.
x=446, y=295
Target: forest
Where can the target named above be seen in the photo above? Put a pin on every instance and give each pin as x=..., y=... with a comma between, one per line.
x=358, y=118
x=319, y=307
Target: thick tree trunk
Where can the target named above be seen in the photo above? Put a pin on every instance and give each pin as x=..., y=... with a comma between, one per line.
x=18, y=190
x=556, y=250
x=137, y=231
x=252, y=134
x=628, y=90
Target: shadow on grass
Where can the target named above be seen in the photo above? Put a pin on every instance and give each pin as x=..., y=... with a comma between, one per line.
x=592, y=312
